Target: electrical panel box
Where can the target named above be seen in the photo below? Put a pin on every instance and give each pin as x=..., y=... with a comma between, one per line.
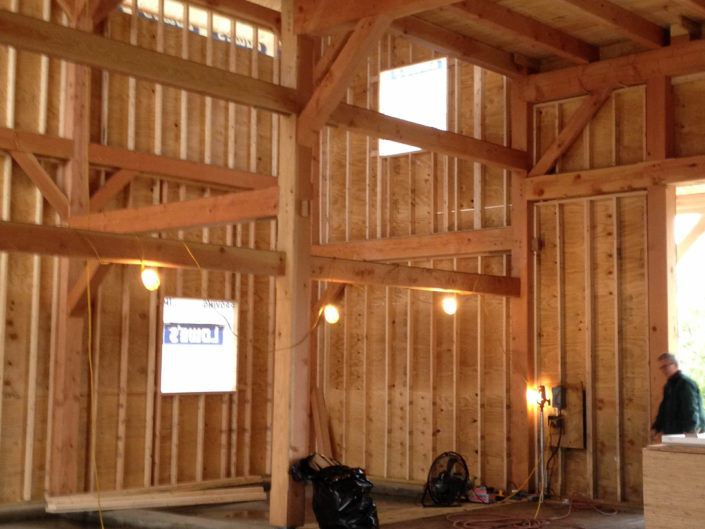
x=571, y=404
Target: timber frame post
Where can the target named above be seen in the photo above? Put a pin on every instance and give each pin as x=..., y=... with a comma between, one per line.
x=291, y=393
x=65, y=465
x=662, y=256
x=521, y=350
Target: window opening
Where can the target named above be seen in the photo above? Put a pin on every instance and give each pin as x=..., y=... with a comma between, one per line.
x=174, y=14
x=416, y=93
x=689, y=233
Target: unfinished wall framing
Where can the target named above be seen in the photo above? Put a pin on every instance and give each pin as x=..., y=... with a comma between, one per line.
x=142, y=438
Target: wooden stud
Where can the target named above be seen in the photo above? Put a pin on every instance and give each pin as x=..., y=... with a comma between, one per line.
x=590, y=436
x=122, y=383
x=478, y=130
x=618, y=350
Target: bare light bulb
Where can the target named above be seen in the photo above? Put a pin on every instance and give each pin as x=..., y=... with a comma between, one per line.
x=450, y=305
x=331, y=314
x=150, y=279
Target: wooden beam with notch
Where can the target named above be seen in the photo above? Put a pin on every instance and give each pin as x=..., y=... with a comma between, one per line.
x=135, y=250
x=421, y=246
x=565, y=139
x=332, y=87
x=378, y=125
x=318, y=17
x=456, y=45
x=394, y=275
x=31, y=34
x=50, y=191
x=210, y=211
x=525, y=29
x=624, y=22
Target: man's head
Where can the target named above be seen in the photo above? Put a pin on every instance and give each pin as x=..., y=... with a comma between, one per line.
x=668, y=364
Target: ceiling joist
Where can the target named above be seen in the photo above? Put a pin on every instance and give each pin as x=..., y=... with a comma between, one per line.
x=623, y=21
x=458, y=46
x=210, y=211
x=318, y=17
x=526, y=29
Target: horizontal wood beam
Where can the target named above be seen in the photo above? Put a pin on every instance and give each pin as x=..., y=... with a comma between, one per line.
x=31, y=34
x=402, y=276
x=210, y=211
x=457, y=45
x=318, y=17
x=525, y=29
x=371, y=123
x=616, y=179
x=142, y=162
x=135, y=250
x=625, y=22
x=421, y=246
x=629, y=70
x=175, y=168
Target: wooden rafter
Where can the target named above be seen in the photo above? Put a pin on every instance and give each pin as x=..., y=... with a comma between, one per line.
x=331, y=89
x=51, y=192
x=421, y=246
x=32, y=34
x=565, y=139
x=456, y=45
x=697, y=6
x=135, y=250
x=106, y=156
x=526, y=29
x=622, y=71
x=317, y=17
x=378, y=125
x=616, y=179
x=210, y=211
x=392, y=275
x=625, y=22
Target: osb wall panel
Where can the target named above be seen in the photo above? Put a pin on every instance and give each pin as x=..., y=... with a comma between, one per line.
x=591, y=335
x=404, y=382
x=142, y=437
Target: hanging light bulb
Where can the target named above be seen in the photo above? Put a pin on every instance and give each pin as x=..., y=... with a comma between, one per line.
x=450, y=305
x=331, y=314
x=150, y=279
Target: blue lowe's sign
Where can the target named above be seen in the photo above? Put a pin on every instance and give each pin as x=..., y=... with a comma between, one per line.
x=193, y=334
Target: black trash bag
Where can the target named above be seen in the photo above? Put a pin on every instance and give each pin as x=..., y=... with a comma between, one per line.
x=341, y=495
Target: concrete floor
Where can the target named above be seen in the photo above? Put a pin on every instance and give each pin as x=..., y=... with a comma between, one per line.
x=394, y=513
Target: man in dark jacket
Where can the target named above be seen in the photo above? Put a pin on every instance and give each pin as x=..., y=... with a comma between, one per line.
x=681, y=410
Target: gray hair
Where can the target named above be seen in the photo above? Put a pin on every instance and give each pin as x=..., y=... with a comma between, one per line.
x=669, y=358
